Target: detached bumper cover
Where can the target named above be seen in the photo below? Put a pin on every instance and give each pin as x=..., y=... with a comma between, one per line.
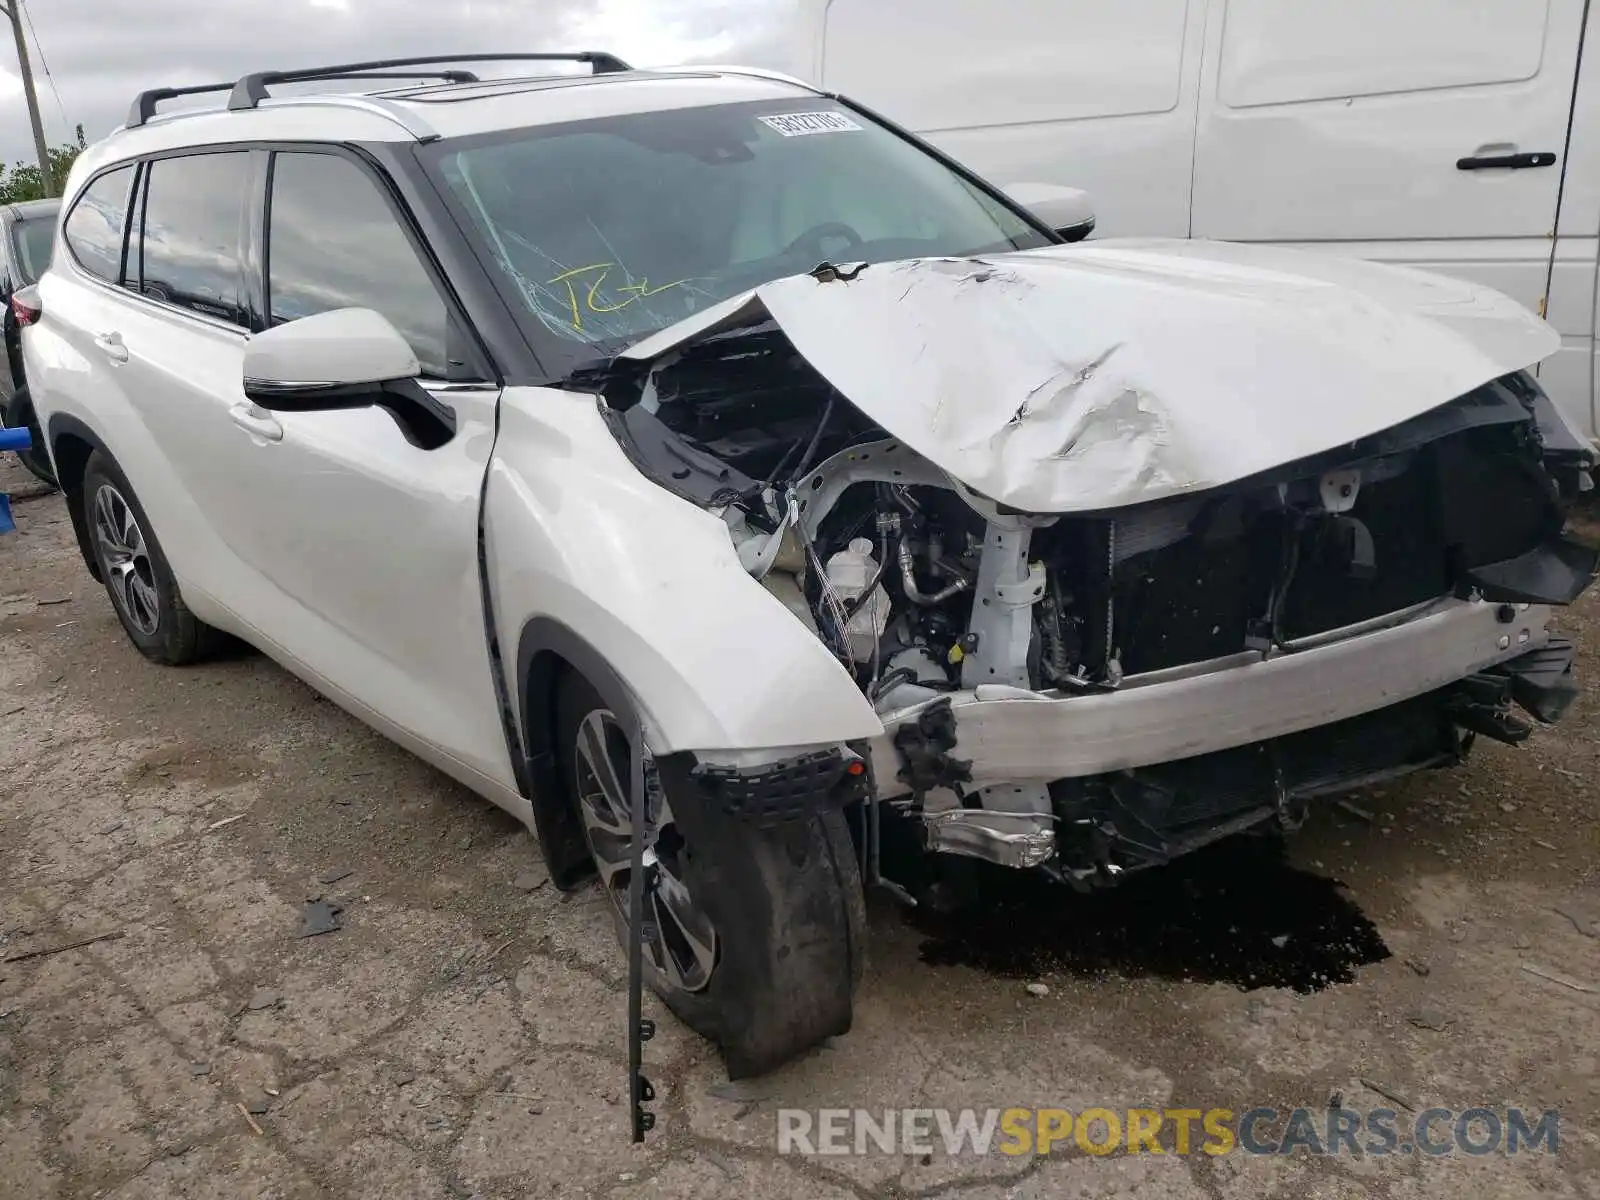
x=1542, y=681
x=1007, y=735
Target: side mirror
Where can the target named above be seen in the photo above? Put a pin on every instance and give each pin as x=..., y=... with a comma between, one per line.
x=347, y=358
x=1067, y=210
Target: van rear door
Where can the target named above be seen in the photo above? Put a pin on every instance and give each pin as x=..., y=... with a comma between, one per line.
x=1077, y=92
x=1429, y=132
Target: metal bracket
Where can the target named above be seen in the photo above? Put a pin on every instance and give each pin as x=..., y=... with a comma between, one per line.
x=976, y=834
x=870, y=462
x=1002, y=619
x=1339, y=489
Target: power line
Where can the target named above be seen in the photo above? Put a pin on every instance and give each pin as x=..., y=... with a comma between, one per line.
x=43, y=62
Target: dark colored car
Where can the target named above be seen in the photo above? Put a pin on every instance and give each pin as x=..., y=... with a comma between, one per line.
x=27, y=236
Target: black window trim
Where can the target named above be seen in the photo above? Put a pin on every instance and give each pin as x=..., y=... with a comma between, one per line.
x=479, y=362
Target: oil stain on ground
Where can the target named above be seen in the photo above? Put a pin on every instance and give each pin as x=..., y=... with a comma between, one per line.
x=1234, y=913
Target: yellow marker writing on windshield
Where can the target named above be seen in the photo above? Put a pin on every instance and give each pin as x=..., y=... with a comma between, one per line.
x=591, y=301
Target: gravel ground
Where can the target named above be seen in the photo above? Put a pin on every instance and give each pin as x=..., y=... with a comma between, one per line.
x=461, y=1034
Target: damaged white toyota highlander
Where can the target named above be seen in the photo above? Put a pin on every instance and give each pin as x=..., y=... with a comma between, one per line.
x=694, y=445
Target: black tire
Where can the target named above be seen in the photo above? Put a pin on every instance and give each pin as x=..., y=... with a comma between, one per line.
x=786, y=906
x=19, y=414
x=141, y=585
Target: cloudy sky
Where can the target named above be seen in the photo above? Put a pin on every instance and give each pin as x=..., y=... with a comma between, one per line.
x=100, y=53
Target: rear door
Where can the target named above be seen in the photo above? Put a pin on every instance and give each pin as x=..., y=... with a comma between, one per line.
x=1091, y=95
x=176, y=350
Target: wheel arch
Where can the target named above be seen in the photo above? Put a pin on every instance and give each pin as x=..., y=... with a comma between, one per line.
x=72, y=444
x=546, y=649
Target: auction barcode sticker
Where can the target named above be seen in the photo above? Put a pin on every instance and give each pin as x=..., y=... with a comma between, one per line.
x=800, y=124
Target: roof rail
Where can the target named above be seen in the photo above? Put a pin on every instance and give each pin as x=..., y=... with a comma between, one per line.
x=250, y=90
x=380, y=106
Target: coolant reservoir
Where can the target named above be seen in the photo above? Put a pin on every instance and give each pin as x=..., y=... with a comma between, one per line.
x=850, y=571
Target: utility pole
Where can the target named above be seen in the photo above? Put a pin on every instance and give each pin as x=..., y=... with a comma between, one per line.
x=13, y=10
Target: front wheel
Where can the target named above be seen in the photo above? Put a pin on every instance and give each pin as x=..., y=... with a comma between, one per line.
x=754, y=937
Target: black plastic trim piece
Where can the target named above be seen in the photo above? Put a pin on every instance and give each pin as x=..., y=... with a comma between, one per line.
x=1556, y=572
x=541, y=643
x=558, y=826
x=1542, y=680
x=776, y=793
x=425, y=421
x=62, y=425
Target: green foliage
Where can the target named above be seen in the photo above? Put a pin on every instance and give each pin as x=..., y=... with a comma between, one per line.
x=23, y=180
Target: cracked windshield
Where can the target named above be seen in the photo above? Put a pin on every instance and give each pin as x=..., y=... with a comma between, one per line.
x=612, y=229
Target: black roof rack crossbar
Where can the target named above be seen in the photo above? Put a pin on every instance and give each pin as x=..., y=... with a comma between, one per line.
x=144, y=107
x=144, y=104
x=252, y=89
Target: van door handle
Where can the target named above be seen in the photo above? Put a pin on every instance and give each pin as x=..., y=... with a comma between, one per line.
x=111, y=343
x=1512, y=162
x=256, y=421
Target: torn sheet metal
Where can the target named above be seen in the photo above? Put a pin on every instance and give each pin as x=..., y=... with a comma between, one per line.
x=1085, y=377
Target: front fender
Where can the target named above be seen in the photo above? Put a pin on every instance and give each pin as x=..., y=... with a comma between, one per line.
x=577, y=539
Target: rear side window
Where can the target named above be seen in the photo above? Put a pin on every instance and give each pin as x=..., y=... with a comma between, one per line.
x=94, y=228
x=34, y=238
x=334, y=242
x=189, y=254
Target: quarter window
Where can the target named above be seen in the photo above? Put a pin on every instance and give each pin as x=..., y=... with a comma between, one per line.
x=94, y=227
x=189, y=254
x=334, y=242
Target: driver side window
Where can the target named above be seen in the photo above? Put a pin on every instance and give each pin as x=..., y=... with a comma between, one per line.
x=333, y=241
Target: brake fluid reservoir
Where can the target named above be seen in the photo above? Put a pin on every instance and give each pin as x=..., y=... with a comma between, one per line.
x=851, y=571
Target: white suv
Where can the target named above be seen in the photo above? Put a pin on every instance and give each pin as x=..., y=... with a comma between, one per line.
x=698, y=436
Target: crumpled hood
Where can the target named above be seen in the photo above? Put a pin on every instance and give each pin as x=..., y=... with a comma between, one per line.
x=1074, y=378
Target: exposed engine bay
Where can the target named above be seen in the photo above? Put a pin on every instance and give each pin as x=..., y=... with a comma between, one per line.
x=924, y=589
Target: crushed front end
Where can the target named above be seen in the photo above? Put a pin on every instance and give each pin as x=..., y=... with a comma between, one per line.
x=1088, y=690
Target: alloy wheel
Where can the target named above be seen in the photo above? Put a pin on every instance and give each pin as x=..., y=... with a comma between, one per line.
x=125, y=557
x=680, y=942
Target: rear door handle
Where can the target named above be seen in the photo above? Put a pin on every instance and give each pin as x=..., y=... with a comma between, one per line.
x=112, y=345
x=256, y=421
x=1512, y=162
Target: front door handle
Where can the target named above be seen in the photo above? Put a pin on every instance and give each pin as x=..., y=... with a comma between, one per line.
x=1512, y=162
x=112, y=345
x=256, y=421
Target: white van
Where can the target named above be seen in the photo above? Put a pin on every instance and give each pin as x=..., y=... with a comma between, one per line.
x=1460, y=136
